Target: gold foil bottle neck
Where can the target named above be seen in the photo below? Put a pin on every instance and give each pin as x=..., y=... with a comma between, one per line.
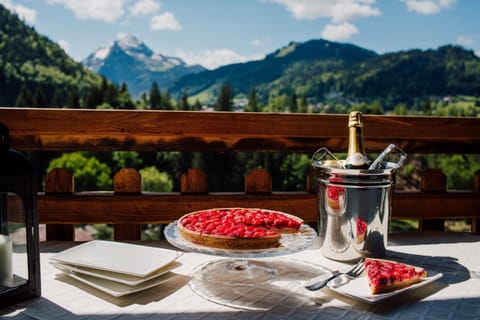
x=355, y=119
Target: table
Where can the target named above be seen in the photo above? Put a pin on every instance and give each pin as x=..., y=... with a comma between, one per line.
x=455, y=296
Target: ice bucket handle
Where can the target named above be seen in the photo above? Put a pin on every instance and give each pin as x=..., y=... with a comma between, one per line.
x=323, y=155
x=390, y=149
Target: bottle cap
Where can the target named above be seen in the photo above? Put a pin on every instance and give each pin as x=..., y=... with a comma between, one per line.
x=355, y=119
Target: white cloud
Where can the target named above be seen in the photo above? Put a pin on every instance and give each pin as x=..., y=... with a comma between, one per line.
x=165, y=21
x=145, y=7
x=64, y=45
x=214, y=58
x=465, y=40
x=349, y=10
x=338, y=32
x=337, y=10
x=340, y=13
x=105, y=10
x=24, y=13
x=428, y=6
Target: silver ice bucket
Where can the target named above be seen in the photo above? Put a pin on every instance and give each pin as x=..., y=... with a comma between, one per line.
x=354, y=209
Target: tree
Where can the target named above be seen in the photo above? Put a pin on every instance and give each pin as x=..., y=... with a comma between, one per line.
x=252, y=105
x=155, y=97
x=56, y=99
x=197, y=106
x=183, y=103
x=277, y=103
x=293, y=103
x=73, y=99
x=225, y=98
x=126, y=159
x=166, y=103
x=93, y=98
x=303, y=104
x=39, y=99
x=154, y=180
x=89, y=172
x=124, y=98
x=24, y=98
x=111, y=96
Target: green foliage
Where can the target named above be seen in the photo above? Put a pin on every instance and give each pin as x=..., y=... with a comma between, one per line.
x=104, y=232
x=294, y=169
x=183, y=103
x=89, y=173
x=31, y=60
x=253, y=105
x=154, y=180
x=403, y=225
x=277, y=103
x=126, y=159
x=459, y=169
x=24, y=99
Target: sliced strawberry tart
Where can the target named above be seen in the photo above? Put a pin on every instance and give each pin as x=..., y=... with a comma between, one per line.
x=385, y=275
x=237, y=228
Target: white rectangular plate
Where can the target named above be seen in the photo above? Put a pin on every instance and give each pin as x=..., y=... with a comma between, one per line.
x=118, y=289
x=358, y=287
x=131, y=259
x=126, y=279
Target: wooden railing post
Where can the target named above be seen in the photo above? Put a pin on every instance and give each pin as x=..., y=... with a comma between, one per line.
x=434, y=180
x=194, y=181
x=127, y=181
x=311, y=184
x=60, y=181
x=258, y=181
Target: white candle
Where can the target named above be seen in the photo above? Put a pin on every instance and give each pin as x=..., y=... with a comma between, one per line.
x=5, y=259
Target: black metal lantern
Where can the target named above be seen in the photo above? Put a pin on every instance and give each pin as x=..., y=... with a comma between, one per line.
x=19, y=238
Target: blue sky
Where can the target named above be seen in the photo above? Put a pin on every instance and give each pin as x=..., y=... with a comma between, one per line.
x=218, y=32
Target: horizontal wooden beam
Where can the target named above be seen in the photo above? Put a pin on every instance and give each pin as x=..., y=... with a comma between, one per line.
x=162, y=208
x=107, y=207
x=108, y=130
x=425, y=205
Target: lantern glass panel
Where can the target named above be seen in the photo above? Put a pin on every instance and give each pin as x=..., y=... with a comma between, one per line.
x=13, y=242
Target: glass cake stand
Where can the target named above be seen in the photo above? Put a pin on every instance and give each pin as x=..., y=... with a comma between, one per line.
x=247, y=278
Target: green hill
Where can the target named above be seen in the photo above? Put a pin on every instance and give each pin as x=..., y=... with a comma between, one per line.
x=320, y=70
x=299, y=66
x=449, y=70
x=30, y=60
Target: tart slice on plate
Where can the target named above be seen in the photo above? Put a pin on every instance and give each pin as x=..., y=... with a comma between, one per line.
x=237, y=228
x=386, y=275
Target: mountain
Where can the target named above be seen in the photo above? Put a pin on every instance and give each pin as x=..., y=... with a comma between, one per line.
x=32, y=61
x=404, y=75
x=302, y=67
x=128, y=60
x=322, y=70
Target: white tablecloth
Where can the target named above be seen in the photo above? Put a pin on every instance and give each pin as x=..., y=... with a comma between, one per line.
x=455, y=296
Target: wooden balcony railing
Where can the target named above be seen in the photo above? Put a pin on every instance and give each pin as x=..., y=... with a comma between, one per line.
x=127, y=207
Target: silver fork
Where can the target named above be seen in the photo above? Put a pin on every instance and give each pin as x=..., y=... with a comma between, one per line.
x=354, y=272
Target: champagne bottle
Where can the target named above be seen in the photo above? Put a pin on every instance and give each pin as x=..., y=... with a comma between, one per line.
x=356, y=156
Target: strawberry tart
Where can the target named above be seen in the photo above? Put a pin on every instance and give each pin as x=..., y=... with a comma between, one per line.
x=385, y=275
x=237, y=228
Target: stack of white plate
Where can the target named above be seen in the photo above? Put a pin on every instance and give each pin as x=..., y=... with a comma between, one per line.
x=117, y=268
